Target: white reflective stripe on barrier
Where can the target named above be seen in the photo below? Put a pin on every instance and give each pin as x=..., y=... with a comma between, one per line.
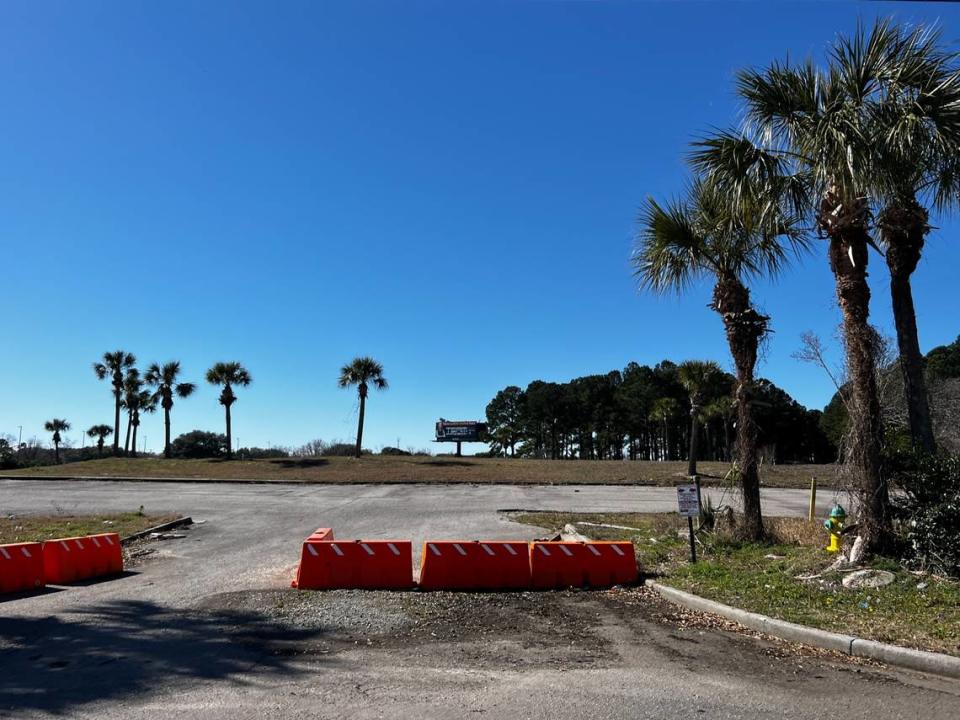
x=312, y=549
x=5, y=553
x=25, y=552
x=337, y=550
x=79, y=544
x=543, y=549
x=617, y=550
x=367, y=548
x=393, y=548
x=566, y=550
x=95, y=543
x=64, y=546
x=109, y=541
x=460, y=549
x=433, y=548
x=485, y=547
x=510, y=549
x=592, y=549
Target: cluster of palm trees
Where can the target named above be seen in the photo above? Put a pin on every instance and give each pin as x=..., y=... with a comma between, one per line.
x=137, y=393
x=857, y=152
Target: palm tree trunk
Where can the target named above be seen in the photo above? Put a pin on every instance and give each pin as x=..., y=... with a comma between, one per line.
x=133, y=446
x=904, y=227
x=744, y=328
x=100, y=448
x=126, y=443
x=229, y=433
x=166, y=432
x=848, y=261
x=116, y=422
x=56, y=451
x=692, y=460
x=363, y=403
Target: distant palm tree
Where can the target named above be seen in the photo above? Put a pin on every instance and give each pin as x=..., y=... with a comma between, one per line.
x=164, y=379
x=697, y=376
x=56, y=426
x=100, y=432
x=228, y=374
x=136, y=400
x=362, y=372
x=115, y=365
x=663, y=411
x=709, y=235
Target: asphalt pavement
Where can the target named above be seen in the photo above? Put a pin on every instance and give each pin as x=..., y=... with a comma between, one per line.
x=162, y=641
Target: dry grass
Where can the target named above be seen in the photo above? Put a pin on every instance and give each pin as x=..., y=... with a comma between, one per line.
x=37, y=528
x=379, y=469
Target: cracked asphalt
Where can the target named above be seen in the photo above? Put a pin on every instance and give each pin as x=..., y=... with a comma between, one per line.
x=207, y=627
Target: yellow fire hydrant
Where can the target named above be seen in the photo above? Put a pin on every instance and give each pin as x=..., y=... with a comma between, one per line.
x=834, y=525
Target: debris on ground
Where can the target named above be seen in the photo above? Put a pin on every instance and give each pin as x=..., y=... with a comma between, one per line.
x=868, y=579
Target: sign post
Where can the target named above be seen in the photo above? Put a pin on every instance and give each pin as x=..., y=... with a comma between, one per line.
x=688, y=504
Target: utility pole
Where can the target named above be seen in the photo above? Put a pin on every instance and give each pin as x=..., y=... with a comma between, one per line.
x=19, y=439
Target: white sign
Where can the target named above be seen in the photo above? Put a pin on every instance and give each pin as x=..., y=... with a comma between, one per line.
x=687, y=501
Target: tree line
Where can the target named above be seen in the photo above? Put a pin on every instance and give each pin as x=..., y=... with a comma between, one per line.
x=669, y=411
x=136, y=393
x=858, y=151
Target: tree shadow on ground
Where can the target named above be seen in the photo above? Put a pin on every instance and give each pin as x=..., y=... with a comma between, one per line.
x=124, y=650
x=300, y=462
x=447, y=463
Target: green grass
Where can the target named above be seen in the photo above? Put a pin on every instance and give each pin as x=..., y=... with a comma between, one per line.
x=741, y=574
x=391, y=469
x=37, y=528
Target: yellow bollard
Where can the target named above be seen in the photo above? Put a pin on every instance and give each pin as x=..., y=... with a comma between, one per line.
x=812, y=510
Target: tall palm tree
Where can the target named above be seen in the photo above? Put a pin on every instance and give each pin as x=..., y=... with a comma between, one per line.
x=663, y=410
x=228, y=374
x=362, y=372
x=100, y=432
x=708, y=234
x=164, y=379
x=817, y=125
x=916, y=138
x=136, y=400
x=56, y=426
x=114, y=366
x=697, y=376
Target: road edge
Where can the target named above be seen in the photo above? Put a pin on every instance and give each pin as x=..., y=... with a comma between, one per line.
x=919, y=660
x=163, y=527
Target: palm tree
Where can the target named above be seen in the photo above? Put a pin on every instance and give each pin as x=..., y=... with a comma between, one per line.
x=100, y=432
x=164, y=379
x=136, y=400
x=697, y=376
x=817, y=128
x=709, y=235
x=917, y=144
x=228, y=374
x=362, y=372
x=56, y=426
x=115, y=365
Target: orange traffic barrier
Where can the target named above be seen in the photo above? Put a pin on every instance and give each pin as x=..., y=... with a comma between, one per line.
x=355, y=564
x=578, y=564
x=475, y=565
x=71, y=559
x=21, y=567
x=321, y=534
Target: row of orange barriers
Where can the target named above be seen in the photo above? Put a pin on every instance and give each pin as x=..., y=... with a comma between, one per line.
x=30, y=566
x=327, y=564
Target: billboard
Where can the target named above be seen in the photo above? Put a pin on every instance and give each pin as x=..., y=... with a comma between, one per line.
x=460, y=430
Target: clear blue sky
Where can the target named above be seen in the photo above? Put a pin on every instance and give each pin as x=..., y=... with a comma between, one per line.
x=449, y=187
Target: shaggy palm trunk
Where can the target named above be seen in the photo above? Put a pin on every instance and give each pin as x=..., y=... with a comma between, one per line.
x=126, y=442
x=56, y=451
x=904, y=227
x=136, y=426
x=363, y=405
x=100, y=447
x=744, y=327
x=692, y=460
x=848, y=261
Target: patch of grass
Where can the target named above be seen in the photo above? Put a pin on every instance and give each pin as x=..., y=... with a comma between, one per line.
x=394, y=469
x=36, y=528
x=764, y=578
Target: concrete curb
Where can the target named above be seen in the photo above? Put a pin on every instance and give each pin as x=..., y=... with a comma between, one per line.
x=186, y=520
x=928, y=662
